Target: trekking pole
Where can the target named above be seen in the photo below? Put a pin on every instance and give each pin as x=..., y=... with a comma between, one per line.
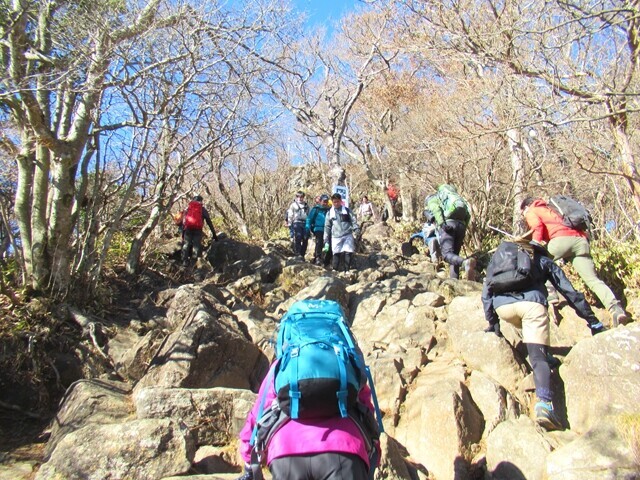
x=523, y=236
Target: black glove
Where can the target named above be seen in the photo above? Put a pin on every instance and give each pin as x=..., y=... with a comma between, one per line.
x=447, y=228
x=248, y=473
x=494, y=328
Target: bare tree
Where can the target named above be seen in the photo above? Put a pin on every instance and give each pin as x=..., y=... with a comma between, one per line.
x=582, y=54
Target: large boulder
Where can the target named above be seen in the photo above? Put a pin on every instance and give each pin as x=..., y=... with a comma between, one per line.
x=214, y=416
x=131, y=354
x=440, y=422
x=479, y=350
x=602, y=377
x=90, y=402
x=398, y=323
x=495, y=403
x=324, y=287
x=225, y=253
x=140, y=449
x=516, y=450
x=208, y=348
x=605, y=451
x=392, y=372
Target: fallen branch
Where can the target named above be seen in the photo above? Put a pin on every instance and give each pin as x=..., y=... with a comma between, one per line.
x=89, y=327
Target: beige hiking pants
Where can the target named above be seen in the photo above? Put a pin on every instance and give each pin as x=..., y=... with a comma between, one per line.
x=531, y=317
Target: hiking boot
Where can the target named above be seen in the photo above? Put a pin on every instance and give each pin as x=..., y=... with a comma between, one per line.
x=596, y=328
x=618, y=315
x=469, y=266
x=546, y=417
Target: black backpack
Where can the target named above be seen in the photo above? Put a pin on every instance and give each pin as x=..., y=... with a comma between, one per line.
x=574, y=214
x=510, y=269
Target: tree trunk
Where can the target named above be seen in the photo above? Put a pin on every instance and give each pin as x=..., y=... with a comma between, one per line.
x=628, y=165
x=517, y=174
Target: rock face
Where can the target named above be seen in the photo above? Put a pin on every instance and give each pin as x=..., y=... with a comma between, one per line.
x=140, y=449
x=602, y=377
x=456, y=401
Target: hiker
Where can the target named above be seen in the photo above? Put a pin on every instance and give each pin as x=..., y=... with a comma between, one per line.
x=572, y=245
x=315, y=226
x=192, y=224
x=429, y=236
x=365, y=210
x=296, y=219
x=323, y=431
x=392, y=194
x=452, y=215
x=340, y=230
x=514, y=291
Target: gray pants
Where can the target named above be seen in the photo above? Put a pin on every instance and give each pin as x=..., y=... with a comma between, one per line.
x=192, y=242
x=319, y=466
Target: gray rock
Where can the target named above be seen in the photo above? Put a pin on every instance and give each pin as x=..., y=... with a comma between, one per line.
x=516, y=450
x=440, y=422
x=479, y=350
x=215, y=416
x=495, y=403
x=602, y=377
x=208, y=347
x=140, y=449
x=600, y=454
x=90, y=402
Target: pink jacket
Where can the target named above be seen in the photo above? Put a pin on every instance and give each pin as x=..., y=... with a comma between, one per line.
x=546, y=223
x=302, y=437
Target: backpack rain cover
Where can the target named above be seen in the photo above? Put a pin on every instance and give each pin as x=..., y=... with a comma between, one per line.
x=193, y=217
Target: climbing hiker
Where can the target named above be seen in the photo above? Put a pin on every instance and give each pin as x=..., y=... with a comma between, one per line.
x=572, y=245
x=429, y=235
x=452, y=215
x=315, y=226
x=514, y=291
x=340, y=230
x=326, y=430
x=296, y=219
x=192, y=224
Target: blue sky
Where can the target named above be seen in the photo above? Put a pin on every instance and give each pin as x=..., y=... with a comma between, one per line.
x=324, y=11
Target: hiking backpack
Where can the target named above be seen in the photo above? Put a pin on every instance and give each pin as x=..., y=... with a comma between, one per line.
x=510, y=268
x=193, y=219
x=318, y=373
x=320, y=368
x=573, y=213
x=454, y=207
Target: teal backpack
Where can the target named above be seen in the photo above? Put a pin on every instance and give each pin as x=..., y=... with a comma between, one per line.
x=320, y=368
x=319, y=372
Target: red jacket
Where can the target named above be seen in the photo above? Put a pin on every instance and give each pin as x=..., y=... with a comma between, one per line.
x=547, y=224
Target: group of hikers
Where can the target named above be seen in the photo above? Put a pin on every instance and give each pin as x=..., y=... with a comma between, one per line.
x=290, y=428
x=334, y=227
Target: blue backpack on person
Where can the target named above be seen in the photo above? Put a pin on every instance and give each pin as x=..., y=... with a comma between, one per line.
x=320, y=369
x=319, y=372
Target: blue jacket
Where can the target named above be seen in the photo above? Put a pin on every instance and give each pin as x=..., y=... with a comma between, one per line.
x=316, y=217
x=543, y=269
